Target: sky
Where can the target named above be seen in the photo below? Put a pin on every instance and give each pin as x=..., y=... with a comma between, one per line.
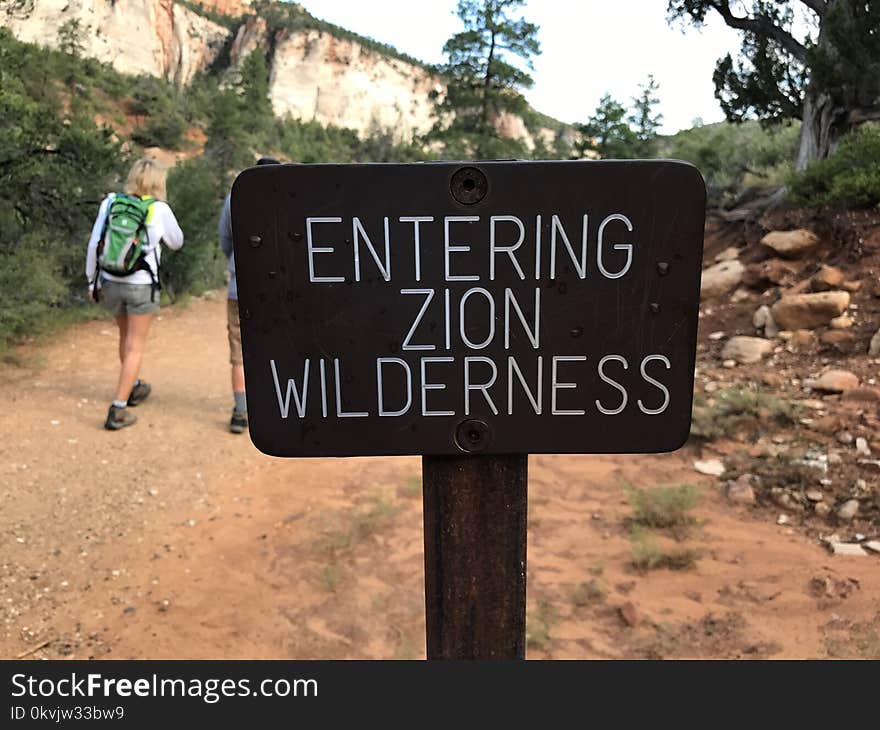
x=589, y=47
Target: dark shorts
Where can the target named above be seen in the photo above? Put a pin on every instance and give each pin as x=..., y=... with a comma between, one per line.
x=119, y=298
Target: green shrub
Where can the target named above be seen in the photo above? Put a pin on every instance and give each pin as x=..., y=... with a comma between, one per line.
x=734, y=157
x=849, y=178
x=719, y=414
x=196, y=197
x=663, y=507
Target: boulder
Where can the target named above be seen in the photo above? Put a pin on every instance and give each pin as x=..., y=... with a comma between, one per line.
x=791, y=244
x=834, y=381
x=746, y=350
x=806, y=311
x=721, y=279
x=826, y=278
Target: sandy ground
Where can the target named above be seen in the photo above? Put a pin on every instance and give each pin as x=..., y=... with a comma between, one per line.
x=177, y=539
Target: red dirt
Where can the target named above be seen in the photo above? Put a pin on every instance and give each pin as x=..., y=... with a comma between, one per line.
x=176, y=539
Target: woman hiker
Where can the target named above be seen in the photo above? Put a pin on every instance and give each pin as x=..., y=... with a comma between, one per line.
x=122, y=266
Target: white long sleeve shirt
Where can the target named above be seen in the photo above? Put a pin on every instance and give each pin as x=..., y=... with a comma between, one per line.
x=162, y=227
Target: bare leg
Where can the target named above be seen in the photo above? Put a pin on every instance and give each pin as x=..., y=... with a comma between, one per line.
x=122, y=324
x=238, y=378
x=137, y=327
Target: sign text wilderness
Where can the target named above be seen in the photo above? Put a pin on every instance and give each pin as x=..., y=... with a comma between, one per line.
x=472, y=318
x=385, y=305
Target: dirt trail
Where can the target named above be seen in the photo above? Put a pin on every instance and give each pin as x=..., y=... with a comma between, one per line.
x=176, y=539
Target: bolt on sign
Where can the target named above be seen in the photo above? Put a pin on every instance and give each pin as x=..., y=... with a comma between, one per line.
x=492, y=307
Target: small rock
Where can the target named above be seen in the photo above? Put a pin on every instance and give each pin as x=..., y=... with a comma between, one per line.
x=862, y=446
x=710, y=467
x=729, y=364
x=629, y=614
x=846, y=548
x=874, y=347
x=814, y=495
x=873, y=546
x=848, y=510
x=806, y=311
x=746, y=350
x=845, y=437
x=800, y=339
x=741, y=491
x=862, y=394
x=841, y=340
x=763, y=320
x=720, y=279
x=715, y=336
x=791, y=244
x=841, y=323
x=834, y=381
x=834, y=458
x=740, y=295
x=782, y=520
x=774, y=380
x=827, y=277
x=823, y=509
x=728, y=254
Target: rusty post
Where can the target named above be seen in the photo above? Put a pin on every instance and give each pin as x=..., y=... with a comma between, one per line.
x=475, y=556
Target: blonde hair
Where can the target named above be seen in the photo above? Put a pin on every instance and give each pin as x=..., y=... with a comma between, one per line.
x=146, y=177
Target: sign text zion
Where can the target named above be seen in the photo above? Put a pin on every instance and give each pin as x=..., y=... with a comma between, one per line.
x=559, y=310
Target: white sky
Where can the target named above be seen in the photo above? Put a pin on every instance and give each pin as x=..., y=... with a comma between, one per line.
x=588, y=47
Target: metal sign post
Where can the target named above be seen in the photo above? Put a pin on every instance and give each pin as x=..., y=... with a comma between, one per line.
x=475, y=556
x=470, y=313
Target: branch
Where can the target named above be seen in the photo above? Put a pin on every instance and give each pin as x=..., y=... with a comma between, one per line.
x=820, y=7
x=763, y=26
x=861, y=115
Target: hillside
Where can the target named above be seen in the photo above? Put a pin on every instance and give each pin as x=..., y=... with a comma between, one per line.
x=317, y=71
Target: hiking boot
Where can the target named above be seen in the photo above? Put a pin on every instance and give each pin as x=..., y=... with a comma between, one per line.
x=119, y=418
x=139, y=393
x=239, y=422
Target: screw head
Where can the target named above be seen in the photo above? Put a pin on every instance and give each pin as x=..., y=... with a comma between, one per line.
x=662, y=268
x=255, y=241
x=469, y=185
x=473, y=436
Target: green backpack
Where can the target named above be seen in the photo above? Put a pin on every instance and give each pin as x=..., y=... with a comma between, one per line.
x=124, y=243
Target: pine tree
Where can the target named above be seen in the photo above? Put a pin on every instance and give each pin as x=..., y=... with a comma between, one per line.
x=645, y=119
x=483, y=81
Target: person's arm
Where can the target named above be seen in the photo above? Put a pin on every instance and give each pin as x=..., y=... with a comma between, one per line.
x=225, y=228
x=172, y=236
x=92, y=250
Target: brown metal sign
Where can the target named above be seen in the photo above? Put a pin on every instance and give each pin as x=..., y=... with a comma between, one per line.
x=449, y=308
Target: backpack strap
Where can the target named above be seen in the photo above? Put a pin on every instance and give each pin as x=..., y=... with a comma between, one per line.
x=96, y=290
x=143, y=264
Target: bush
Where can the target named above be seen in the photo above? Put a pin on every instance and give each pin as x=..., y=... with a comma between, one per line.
x=196, y=197
x=734, y=157
x=663, y=507
x=849, y=178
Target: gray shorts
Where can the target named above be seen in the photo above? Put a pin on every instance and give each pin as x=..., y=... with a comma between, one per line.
x=119, y=298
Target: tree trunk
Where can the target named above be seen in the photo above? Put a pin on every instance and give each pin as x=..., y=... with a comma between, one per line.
x=821, y=128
